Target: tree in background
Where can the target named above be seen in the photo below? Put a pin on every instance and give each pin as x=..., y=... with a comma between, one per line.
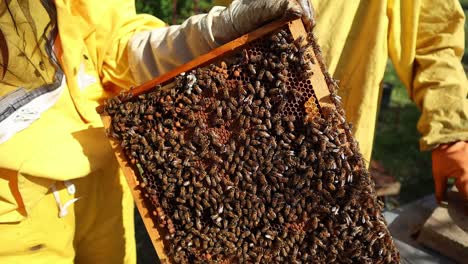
x=173, y=11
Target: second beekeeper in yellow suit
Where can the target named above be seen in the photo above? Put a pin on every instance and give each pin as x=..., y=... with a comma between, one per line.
x=425, y=41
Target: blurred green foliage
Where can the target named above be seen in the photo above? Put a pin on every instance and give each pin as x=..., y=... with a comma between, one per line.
x=396, y=142
x=164, y=9
x=464, y=4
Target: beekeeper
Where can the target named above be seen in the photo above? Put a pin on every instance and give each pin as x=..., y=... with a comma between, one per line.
x=425, y=41
x=63, y=198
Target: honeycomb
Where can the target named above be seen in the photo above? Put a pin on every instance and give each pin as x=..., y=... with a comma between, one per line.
x=240, y=164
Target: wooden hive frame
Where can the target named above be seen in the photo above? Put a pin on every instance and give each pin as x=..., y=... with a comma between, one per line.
x=318, y=81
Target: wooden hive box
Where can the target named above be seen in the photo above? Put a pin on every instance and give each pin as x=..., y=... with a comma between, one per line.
x=309, y=96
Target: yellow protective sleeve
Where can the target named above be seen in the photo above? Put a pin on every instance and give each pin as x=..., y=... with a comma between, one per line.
x=98, y=31
x=426, y=42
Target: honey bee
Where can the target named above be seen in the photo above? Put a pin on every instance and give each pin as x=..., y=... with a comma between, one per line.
x=299, y=42
x=241, y=148
x=251, y=68
x=273, y=92
x=290, y=124
x=275, y=38
x=282, y=77
x=268, y=107
x=186, y=100
x=254, y=59
x=261, y=74
x=248, y=100
x=261, y=112
x=279, y=84
x=228, y=114
x=248, y=110
x=219, y=122
x=219, y=112
x=264, y=134
x=251, y=88
x=214, y=88
x=226, y=93
x=282, y=105
x=254, y=120
x=269, y=76
x=307, y=74
x=197, y=89
x=242, y=90
x=247, y=143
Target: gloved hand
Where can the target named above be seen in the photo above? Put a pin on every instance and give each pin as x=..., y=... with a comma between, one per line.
x=450, y=161
x=243, y=16
x=154, y=52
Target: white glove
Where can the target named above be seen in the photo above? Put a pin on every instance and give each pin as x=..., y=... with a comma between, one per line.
x=152, y=53
x=244, y=16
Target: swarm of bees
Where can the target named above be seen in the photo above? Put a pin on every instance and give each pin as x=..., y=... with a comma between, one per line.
x=239, y=172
